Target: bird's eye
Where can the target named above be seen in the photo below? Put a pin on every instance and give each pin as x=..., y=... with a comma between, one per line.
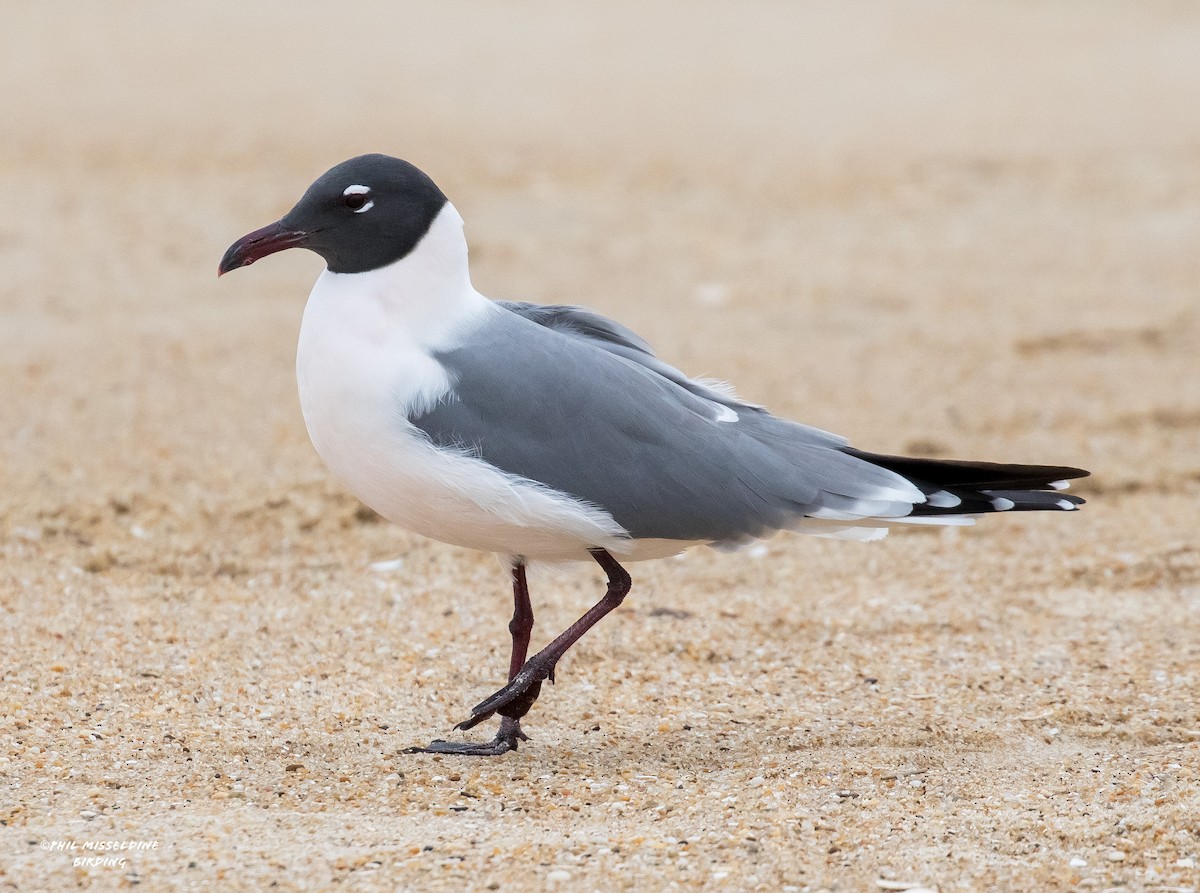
x=358, y=199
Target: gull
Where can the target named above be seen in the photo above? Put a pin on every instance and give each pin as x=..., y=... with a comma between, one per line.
x=549, y=432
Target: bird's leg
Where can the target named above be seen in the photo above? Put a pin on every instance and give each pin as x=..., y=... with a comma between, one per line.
x=510, y=732
x=521, y=624
x=519, y=627
x=514, y=700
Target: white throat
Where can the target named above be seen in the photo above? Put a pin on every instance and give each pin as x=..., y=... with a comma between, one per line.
x=425, y=296
x=367, y=339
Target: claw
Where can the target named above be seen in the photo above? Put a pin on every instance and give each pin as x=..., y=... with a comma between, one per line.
x=496, y=747
x=471, y=721
x=507, y=738
x=513, y=700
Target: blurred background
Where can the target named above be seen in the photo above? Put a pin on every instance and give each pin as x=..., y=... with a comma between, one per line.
x=874, y=217
x=941, y=228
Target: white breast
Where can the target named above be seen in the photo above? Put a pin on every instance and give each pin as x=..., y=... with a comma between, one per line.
x=364, y=365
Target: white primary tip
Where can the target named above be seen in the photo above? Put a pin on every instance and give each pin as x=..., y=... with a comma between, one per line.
x=943, y=499
x=1059, y=485
x=1066, y=505
x=1001, y=504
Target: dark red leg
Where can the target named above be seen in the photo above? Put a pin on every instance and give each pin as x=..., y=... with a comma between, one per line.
x=521, y=624
x=510, y=732
x=514, y=700
x=519, y=627
x=525, y=677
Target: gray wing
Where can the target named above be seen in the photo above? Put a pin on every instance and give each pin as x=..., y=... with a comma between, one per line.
x=620, y=340
x=579, y=403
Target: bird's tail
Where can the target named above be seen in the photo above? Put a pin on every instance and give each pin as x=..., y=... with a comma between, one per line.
x=955, y=487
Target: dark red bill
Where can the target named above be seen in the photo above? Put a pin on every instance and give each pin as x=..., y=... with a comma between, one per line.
x=258, y=244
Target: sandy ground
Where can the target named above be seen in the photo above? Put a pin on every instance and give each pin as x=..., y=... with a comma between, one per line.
x=935, y=227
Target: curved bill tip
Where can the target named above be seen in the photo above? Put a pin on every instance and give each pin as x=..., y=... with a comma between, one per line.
x=258, y=244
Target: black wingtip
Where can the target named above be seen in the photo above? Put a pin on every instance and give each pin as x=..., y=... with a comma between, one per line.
x=973, y=475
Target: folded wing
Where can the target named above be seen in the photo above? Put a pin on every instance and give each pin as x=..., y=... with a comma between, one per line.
x=579, y=403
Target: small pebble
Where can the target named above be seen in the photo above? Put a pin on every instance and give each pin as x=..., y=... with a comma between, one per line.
x=383, y=567
x=1116, y=856
x=1076, y=862
x=558, y=876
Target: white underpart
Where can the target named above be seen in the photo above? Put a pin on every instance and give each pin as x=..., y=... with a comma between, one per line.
x=831, y=530
x=364, y=363
x=937, y=520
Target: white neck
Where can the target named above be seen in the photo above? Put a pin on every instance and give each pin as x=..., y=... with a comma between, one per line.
x=370, y=337
x=427, y=295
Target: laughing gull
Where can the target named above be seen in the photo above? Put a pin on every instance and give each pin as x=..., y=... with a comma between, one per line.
x=551, y=432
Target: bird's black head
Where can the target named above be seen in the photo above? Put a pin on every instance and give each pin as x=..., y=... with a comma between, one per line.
x=362, y=214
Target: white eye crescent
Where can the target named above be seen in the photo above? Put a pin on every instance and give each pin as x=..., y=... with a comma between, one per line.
x=358, y=198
